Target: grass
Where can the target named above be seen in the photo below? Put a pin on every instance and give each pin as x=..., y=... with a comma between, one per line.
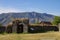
x=36, y=36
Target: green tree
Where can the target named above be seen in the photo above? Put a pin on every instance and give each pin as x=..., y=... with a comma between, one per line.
x=56, y=20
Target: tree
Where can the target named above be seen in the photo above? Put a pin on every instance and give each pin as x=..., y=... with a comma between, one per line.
x=56, y=20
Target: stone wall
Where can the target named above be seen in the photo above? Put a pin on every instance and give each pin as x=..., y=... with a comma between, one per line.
x=2, y=29
x=59, y=26
x=30, y=29
x=37, y=29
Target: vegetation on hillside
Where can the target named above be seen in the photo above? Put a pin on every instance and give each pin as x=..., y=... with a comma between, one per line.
x=56, y=20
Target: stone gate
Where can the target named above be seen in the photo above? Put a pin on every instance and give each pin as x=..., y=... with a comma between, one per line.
x=20, y=25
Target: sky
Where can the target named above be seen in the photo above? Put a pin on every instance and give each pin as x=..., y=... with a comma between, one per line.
x=41, y=6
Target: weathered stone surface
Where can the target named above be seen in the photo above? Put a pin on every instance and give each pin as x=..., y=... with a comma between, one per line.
x=59, y=26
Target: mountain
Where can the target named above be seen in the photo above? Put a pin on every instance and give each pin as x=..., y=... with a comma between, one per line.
x=6, y=18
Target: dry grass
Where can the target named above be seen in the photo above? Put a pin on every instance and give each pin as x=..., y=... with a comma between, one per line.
x=37, y=36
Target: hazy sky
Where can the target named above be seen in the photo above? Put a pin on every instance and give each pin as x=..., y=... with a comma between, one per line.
x=42, y=6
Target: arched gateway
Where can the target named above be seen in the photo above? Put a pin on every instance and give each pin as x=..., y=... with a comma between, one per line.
x=20, y=25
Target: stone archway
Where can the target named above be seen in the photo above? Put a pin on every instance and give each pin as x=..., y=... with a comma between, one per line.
x=20, y=26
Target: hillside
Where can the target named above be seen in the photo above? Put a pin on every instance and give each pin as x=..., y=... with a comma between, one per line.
x=5, y=18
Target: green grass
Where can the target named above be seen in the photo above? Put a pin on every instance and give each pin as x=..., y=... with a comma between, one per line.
x=36, y=36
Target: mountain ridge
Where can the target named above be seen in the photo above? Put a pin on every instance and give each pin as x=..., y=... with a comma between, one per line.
x=5, y=18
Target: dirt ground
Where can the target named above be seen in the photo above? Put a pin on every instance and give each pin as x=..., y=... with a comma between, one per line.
x=35, y=36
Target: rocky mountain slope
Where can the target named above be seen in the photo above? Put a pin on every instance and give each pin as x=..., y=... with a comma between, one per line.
x=5, y=18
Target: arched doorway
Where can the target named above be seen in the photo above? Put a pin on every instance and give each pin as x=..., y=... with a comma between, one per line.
x=20, y=28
